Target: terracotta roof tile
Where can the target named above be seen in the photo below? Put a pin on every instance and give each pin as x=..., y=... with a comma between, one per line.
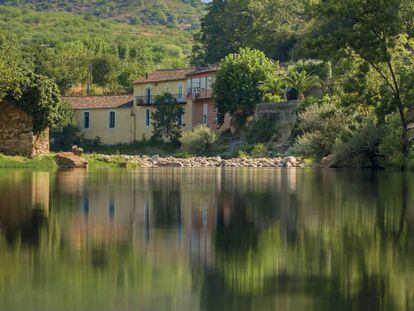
x=164, y=75
x=99, y=102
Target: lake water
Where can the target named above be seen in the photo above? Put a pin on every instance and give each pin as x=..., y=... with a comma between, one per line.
x=225, y=239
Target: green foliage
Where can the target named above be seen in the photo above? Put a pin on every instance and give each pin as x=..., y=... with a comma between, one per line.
x=272, y=88
x=66, y=53
x=199, y=141
x=361, y=148
x=272, y=26
x=389, y=152
x=64, y=139
x=259, y=151
x=371, y=30
x=41, y=99
x=166, y=118
x=261, y=131
x=151, y=12
x=302, y=81
x=41, y=162
x=237, y=84
x=322, y=125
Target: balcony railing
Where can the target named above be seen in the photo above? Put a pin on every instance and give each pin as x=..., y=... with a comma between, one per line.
x=150, y=100
x=195, y=94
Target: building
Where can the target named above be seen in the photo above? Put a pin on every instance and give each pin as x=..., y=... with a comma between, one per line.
x=16, y=133
x=108, y=117
x=200, y=97
x=124, y=119
x=157, y=83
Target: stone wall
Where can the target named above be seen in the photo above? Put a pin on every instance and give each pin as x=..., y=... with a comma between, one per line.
x=284, y=114
x=16, y=133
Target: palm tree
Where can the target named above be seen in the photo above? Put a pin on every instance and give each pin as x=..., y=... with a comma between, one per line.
x=272, y=85
x=302, y=81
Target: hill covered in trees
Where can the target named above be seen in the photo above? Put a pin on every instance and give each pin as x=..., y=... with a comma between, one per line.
x=67, y=47
x=184, y=13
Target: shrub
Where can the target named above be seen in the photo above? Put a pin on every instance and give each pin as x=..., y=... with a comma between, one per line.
x=259, y=151
x=389, y=148
x=322, y=125
x=199, y=141
x=261, y=131
x=361, y=149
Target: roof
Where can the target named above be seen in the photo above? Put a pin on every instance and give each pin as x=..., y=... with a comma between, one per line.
x=201, y=70
x=100, y=102
x=164, y=75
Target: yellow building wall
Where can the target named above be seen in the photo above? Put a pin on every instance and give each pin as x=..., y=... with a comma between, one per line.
x=158, y=88
x=99, y=125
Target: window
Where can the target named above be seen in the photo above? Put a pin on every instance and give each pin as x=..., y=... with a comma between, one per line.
x=147, y=117
x=205, y=114
x=112, y=117
x=209, y=83
x=195, y=86
x=86, y=120
x=180, y=91
x=148, y=96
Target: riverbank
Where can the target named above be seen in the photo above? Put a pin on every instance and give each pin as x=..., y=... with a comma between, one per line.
x=50, y=162
x=97, y=160
x=41, y=162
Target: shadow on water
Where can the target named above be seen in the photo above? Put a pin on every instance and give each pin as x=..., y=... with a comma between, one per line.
x=206, y=240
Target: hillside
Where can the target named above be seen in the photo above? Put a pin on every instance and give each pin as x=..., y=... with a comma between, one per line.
x=64, y=45
x=182, y=13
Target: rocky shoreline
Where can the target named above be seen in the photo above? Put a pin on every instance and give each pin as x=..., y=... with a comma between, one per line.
x=195, y=162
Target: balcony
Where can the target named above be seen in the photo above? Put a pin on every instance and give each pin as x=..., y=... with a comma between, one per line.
x=197, y=94
x=150, y=100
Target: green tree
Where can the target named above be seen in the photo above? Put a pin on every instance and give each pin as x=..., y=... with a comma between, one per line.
x=302, y=81
x=41, y=99
x=166, y=119
x=272, y=88
x=104, y=70
x=272, y=26
x=237, y=84
x=35, y=94
x=370, y=29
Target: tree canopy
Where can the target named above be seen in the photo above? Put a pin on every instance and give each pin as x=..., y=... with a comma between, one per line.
x=237, y=87
x=272, y=26
x=372, y=31
x=35, y=94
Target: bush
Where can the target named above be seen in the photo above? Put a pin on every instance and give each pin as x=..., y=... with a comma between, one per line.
x=322, y=125
x=261, y=131
x=361, y=149
x=259, y=151
x=199, y=141
x=389, y=149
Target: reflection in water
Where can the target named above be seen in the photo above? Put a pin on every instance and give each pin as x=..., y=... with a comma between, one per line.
x=206, y=240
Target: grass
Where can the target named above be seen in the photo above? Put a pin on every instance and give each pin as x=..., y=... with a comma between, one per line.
x=41, y=162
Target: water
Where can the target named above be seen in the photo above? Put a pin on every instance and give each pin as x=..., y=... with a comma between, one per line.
x=237, y=239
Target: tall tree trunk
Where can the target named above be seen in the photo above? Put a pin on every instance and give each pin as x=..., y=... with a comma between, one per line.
x=404, y=129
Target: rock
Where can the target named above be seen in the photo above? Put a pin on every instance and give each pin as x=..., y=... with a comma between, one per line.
x=155, y=158
x=70, y=160
x=288, y=164
x=171, y=164
x=328, y=161
x=292, y=160
x=76, y=150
